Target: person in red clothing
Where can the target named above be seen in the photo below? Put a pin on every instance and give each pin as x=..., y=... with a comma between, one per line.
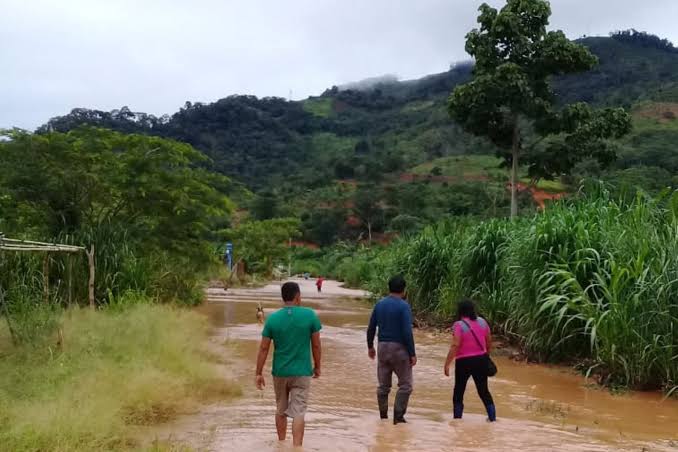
x=319, y=283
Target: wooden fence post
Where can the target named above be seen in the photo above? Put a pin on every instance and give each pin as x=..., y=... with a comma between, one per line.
x=90, y=260
x=45, y=278
x=70, y=279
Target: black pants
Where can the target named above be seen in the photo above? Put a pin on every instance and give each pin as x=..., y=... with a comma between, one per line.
x=476, y=367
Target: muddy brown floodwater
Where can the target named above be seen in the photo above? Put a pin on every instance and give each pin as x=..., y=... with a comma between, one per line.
x=539, y=408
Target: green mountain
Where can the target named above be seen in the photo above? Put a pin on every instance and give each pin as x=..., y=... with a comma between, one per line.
x=383, y=133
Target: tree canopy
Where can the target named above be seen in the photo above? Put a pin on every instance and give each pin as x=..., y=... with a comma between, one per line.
x=146, y=204
x=644, y=39
x=510, y=94
x=261, y=243
x=90, y=176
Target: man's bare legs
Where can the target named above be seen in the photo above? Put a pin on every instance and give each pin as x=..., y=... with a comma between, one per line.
x=298, y=425
x=281, y=426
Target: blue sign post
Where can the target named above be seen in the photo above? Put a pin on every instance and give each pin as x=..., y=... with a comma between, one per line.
x=229, y=256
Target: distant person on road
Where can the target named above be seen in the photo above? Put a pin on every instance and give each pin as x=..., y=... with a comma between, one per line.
x=471, y=341
x=295, y=331
x=319, y=283
x=393, y=317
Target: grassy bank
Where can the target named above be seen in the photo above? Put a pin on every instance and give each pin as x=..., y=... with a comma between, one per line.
x=97, y=376
x=592, y=281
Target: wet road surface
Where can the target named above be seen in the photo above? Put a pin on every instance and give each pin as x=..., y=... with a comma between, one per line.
x=539, y=408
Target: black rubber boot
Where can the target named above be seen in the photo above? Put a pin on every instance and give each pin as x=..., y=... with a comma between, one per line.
x=491, y=413
x=382, y=400
x=400, y=408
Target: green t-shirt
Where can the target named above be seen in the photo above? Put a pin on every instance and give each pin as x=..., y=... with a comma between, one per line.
x=291, y=328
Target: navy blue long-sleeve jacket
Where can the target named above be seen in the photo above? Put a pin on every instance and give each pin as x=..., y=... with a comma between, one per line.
x=394, y=318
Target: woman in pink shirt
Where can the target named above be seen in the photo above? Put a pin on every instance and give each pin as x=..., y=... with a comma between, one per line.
x=469, y=354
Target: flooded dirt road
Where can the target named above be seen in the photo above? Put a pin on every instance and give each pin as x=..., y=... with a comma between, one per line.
x=539, y=408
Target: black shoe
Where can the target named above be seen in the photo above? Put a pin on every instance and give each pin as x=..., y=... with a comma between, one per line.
x=399, y=420
x=383, y=415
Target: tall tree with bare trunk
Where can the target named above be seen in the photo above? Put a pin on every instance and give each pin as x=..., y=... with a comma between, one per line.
x=510, y=99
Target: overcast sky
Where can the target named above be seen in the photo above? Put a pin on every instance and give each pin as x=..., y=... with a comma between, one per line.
x=153, y=55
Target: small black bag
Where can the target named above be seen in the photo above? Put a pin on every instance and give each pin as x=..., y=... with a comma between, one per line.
x=491, y=366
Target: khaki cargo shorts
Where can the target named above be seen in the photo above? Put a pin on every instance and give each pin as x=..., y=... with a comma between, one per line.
x=291, y=395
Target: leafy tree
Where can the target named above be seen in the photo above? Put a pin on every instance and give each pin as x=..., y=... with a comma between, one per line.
x=323, y=226
x=265, y=206
x=343, y=170
x=145, y=202
x=406, y=224
x=367, y=208
x=510, y=93
x=91, y=177
x=391, y=161
x=264, y=242
x=644, y=39
x=362, y=147
x=416, y=199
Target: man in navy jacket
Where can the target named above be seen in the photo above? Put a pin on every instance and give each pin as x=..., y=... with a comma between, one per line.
x=392, y=316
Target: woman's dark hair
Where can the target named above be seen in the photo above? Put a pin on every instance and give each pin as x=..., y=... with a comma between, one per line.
x=466, y=308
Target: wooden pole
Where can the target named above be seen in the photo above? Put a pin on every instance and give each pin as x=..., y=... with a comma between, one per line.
x=70, y=279
x=3, y=304
x=90, y=260
x=5, y=309
x=45, y=278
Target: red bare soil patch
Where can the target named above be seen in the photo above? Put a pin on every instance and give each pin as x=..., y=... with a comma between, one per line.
x=381, y=238
x=540, y=196
x=662, y=112
x=353, y=221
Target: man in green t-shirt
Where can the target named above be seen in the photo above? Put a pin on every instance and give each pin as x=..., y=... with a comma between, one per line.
x=295, y=331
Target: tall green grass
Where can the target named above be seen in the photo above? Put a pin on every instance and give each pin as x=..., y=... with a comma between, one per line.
x=91, y=381
x=592, y=281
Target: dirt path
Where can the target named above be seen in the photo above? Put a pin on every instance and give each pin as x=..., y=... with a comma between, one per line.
x=539, y=408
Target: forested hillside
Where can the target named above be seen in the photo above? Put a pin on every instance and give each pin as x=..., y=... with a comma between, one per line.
x=385, y=156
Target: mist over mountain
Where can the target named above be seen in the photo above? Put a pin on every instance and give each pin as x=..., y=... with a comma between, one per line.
x=370, y=83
